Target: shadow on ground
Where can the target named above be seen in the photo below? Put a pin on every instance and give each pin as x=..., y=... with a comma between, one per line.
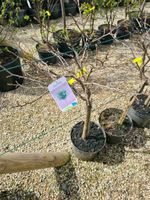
x=136, y=139
x=18, y=194
x=67, y=182
x=111, y=154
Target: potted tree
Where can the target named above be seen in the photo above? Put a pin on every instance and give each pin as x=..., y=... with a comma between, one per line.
x=15, y=12
x=135, y=11
x=89, y=35
x=67, y=39
x=87, y=137
x=106, y=31
x=116, y=123
x=45, y=49
x=140, y=110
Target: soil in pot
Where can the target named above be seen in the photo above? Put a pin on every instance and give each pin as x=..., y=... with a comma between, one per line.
x=69, y=36
x=87, y=149
x=139, y=112
x=46, y=54
x=10, y=61
x=103, y=32
x=108, y=120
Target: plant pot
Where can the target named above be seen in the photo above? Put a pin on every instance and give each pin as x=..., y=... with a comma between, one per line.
x=136, y=21
x=139, y=113
x=146, y=22
x=66, y=45
x=56, y=11
x=102, y=31
x=120, y=2
x=87, y=149
x=10, y=61
x=124, y=30
x=87, y=41
x=46, y=55
x=72, y=39
x=71, y=8
x=85, y=1
x=19, y=18
x=108, y=119
x=65, y=50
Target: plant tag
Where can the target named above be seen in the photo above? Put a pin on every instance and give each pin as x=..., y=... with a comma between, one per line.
x=62, y=94
x=138, y=60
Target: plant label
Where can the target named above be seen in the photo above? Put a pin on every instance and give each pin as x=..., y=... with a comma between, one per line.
x=62, y=94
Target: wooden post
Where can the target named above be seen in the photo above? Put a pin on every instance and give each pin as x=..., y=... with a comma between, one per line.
x=18, y=162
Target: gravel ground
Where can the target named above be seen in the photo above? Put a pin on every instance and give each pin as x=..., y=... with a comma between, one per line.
x=120, y=172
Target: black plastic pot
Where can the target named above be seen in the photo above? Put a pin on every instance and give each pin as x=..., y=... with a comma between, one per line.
x=146, y=23
x=115, y=135
x=123, y=30
x=46, y=56
x=73, y=39
x=136, y=21
x=85, y=1
x=139, y=113
x=55, y=11
x=103, y=32
x=89, y=40
x=120, y=2
x=19, y=18
x=71, y=8
x=87, y=149
x=66, y=45
x=11, y=64
x=65, y=50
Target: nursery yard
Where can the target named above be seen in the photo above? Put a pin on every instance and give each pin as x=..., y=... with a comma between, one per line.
x=120, y=172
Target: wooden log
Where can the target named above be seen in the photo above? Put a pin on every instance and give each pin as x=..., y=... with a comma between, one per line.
x=18, y=162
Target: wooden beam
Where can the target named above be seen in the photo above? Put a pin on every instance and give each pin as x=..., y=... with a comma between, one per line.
x=18, y=162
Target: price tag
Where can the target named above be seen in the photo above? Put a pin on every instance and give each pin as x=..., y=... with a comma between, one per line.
x=62, y=94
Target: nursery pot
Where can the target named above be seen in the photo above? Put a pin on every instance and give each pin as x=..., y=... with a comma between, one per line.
x=10, y=61
x=87, y=149
x=46, y=56
x=124, y=30
x=66, y=44
x=19, y=18
x=114, y=134
x=136, y=21
x=103, y=30
x=70, y=8
x=140, y=113
x=87, y=41
x=56, y=11
x=72, y=37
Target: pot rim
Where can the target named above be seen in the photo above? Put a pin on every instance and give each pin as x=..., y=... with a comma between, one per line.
x=130, y=119
x=104, y=134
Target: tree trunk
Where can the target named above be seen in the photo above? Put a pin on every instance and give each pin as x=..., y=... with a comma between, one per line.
x=63, y=13
x=86, y=127
x=18, y=162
